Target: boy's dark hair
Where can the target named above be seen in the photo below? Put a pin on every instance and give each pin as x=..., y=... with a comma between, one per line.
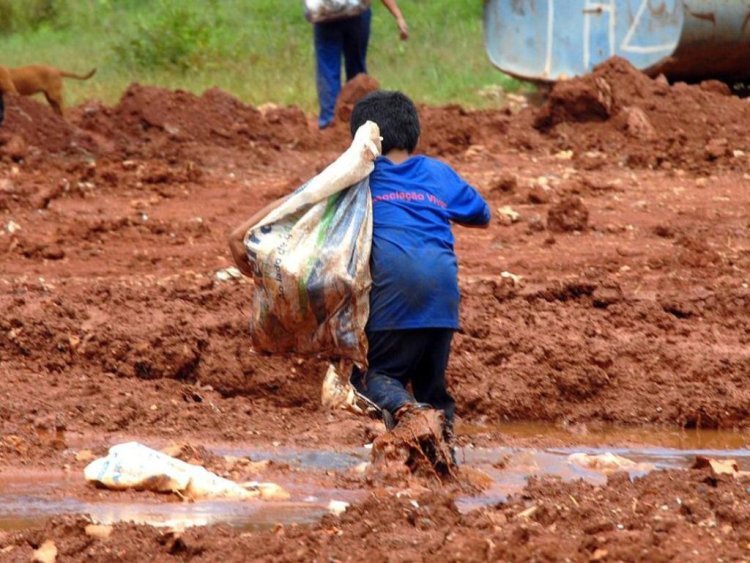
x=394, y=113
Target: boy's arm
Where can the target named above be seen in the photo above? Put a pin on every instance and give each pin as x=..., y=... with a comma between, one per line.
x=465, y=205
x=393, y=8
x=468, y=208
x=237, y=236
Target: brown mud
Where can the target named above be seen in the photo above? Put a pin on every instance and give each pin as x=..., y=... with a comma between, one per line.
x=666, y=515
x=116, y=325
x=416, y=447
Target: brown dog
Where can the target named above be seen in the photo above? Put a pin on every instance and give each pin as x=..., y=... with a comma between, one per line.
x=33, y=79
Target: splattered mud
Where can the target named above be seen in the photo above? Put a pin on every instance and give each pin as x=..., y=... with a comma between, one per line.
x=615, y=294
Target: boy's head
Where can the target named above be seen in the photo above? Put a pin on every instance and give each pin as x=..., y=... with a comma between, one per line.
x=396, y=116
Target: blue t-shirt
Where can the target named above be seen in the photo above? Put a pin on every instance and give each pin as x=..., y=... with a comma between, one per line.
x=414, y=268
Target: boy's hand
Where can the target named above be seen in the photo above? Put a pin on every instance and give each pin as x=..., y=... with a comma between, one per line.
x=403, y=28
x=237, y=247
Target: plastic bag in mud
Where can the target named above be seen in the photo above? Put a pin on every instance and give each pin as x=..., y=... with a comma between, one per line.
x=135, y=466
x=317, y=11
x=311, y=261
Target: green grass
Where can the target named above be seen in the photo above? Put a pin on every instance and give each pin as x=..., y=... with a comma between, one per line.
x=260, y=50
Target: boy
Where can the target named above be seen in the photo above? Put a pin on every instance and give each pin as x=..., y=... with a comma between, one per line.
x=414, y=297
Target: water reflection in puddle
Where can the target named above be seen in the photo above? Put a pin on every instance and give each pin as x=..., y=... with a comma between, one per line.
x=596, y=435
x=24, y=510
x=27, y=501
x=518, y=464
x=327, y=460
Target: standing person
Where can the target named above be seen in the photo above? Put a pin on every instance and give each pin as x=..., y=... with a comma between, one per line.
x=414, y=297
x=348, y=36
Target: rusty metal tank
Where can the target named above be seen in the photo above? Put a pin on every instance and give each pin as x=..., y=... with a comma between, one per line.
x=691, y=40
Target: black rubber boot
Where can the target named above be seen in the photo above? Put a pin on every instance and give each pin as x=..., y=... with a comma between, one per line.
x=388, y=420
x=408, y=408
x=450, y=439
x=391, y=419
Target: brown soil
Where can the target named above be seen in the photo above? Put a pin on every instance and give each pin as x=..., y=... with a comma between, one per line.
x=645, y=122
x=113, y=225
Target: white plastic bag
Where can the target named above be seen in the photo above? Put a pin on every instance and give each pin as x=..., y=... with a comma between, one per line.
x=337, y=392
x=318, y=11
x=135, y=466
x=311, y=261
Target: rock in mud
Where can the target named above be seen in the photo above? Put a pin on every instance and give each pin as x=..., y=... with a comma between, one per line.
x=717, y=466
x=506, y=215
x=607, y=462
x=577, y=101
x=606, y=295
x=337, y=507
x=15, y=148
x=47, y=553
x=716, y=86
x=504, y=183
x=638, y=125
x=535, y=224
x=716, y=148
x=99, y=531
x=570, y=214
x=539, y=194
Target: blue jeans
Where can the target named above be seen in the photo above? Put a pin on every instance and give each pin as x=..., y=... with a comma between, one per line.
x=348, y=37
x=398, y=358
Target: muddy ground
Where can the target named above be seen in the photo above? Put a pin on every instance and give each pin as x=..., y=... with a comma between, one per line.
x=618, y=296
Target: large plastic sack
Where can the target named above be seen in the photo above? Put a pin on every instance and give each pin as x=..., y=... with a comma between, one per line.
x=318, y=11
x=311, y=261
x=135, y=466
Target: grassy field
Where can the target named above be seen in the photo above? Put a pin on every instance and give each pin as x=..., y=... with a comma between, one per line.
x=260, y=50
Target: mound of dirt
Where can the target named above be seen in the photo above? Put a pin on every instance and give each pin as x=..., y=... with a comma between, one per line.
x=150, y=116
x=38, y=126
x=164, y=117
x=619, y=110
x=152, y=121
x=453, y=130
x=352, y=92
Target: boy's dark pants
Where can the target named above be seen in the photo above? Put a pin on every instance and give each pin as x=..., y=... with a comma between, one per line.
x=399, y=357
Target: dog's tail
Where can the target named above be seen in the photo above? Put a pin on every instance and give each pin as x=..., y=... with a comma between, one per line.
x=91, y=73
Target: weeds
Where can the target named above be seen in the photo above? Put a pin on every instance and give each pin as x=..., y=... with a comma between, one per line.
x=29, y=15
x=178, y=36
x=260, y=50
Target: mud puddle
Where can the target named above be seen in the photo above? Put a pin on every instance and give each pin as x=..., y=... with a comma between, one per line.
x=325, y=460
x=511, y=467
x=25, y=502
x=603, y=434
x=26, y=499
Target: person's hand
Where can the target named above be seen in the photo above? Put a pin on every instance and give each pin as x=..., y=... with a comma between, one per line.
x=403, y=28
